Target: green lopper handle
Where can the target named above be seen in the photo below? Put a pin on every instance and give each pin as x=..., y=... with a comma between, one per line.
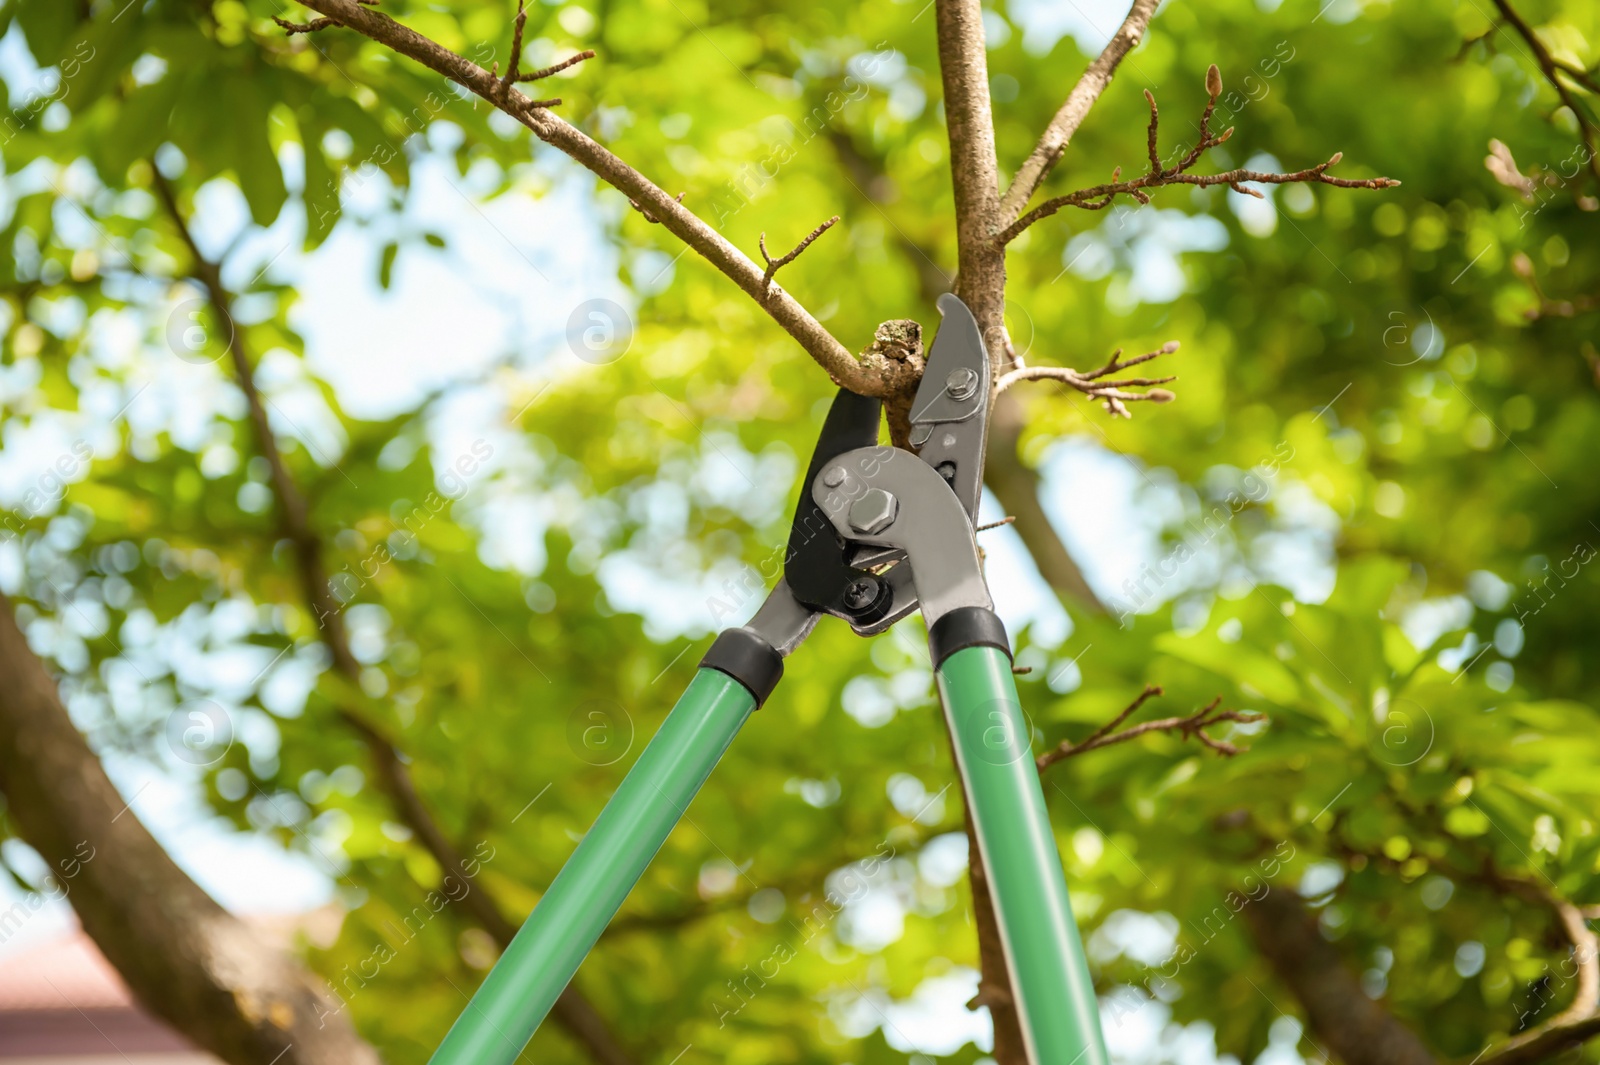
x=1055, y=997
x=514, y=998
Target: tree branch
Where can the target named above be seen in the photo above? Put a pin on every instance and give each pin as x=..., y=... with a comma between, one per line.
x=774, y=265
x=292, y=28
x=1580, y=1020
x=1053, y=143
x=1193, y=725
x=1522, y=266
x=1099, y=197
x=994, y=976
x=210, y=975
x=1552, y=70
x=974, y=172
x=1338, y=1011
x=1114, y=392
x=556, y=68
x=572, y=1011
x=981, y=285
x=829, y=353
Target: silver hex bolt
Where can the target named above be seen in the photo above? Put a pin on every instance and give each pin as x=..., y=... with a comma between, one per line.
x=874, y=511
x=961, y=383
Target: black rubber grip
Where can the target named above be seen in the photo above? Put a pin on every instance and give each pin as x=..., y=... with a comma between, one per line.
x=748, y=659
x=963, y=627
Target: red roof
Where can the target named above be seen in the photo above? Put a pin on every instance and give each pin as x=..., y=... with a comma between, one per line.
x=61, y=1001
x=61, y=974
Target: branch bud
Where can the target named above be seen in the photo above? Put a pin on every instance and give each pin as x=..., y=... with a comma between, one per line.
x=1213, y=81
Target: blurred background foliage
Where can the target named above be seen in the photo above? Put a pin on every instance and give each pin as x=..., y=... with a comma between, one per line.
x=1370, y=515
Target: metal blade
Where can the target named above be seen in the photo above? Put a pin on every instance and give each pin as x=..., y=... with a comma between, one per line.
x=950, y=414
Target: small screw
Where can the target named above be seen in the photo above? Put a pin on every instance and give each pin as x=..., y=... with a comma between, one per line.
x=961, y=383
x=833, y=476
x=861, y=594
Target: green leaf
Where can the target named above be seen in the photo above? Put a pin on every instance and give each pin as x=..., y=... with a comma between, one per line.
x=386, y=263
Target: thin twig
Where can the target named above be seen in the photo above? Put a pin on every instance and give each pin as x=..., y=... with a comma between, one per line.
x=292, y=28
x=1117, y=362
x=1150, y=136
x=773, y=265
x=513, y=102
x=1053, y=142
x=517, y=26
x=1552, y=70
x=840, y=364
x=1007, y=520
x=513, y=73
x=1193, y=725
x=556, y=68
x=1522, y=266
x=1100, y=197
x=1093, y=384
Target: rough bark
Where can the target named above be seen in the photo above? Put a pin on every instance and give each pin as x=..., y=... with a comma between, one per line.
x=188, y=960
x=980, y=259
x=1342, y=1018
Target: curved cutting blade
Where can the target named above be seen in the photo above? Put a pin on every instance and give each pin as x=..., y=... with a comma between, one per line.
x=950, y=414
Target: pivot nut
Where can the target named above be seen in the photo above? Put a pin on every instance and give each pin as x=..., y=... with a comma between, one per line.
x=961, y=383
x=874, y=511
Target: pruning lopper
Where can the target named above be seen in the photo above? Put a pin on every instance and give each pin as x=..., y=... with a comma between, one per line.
x=879, y=533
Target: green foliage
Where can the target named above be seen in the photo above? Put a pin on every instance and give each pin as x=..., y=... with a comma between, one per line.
x=1373, y=353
